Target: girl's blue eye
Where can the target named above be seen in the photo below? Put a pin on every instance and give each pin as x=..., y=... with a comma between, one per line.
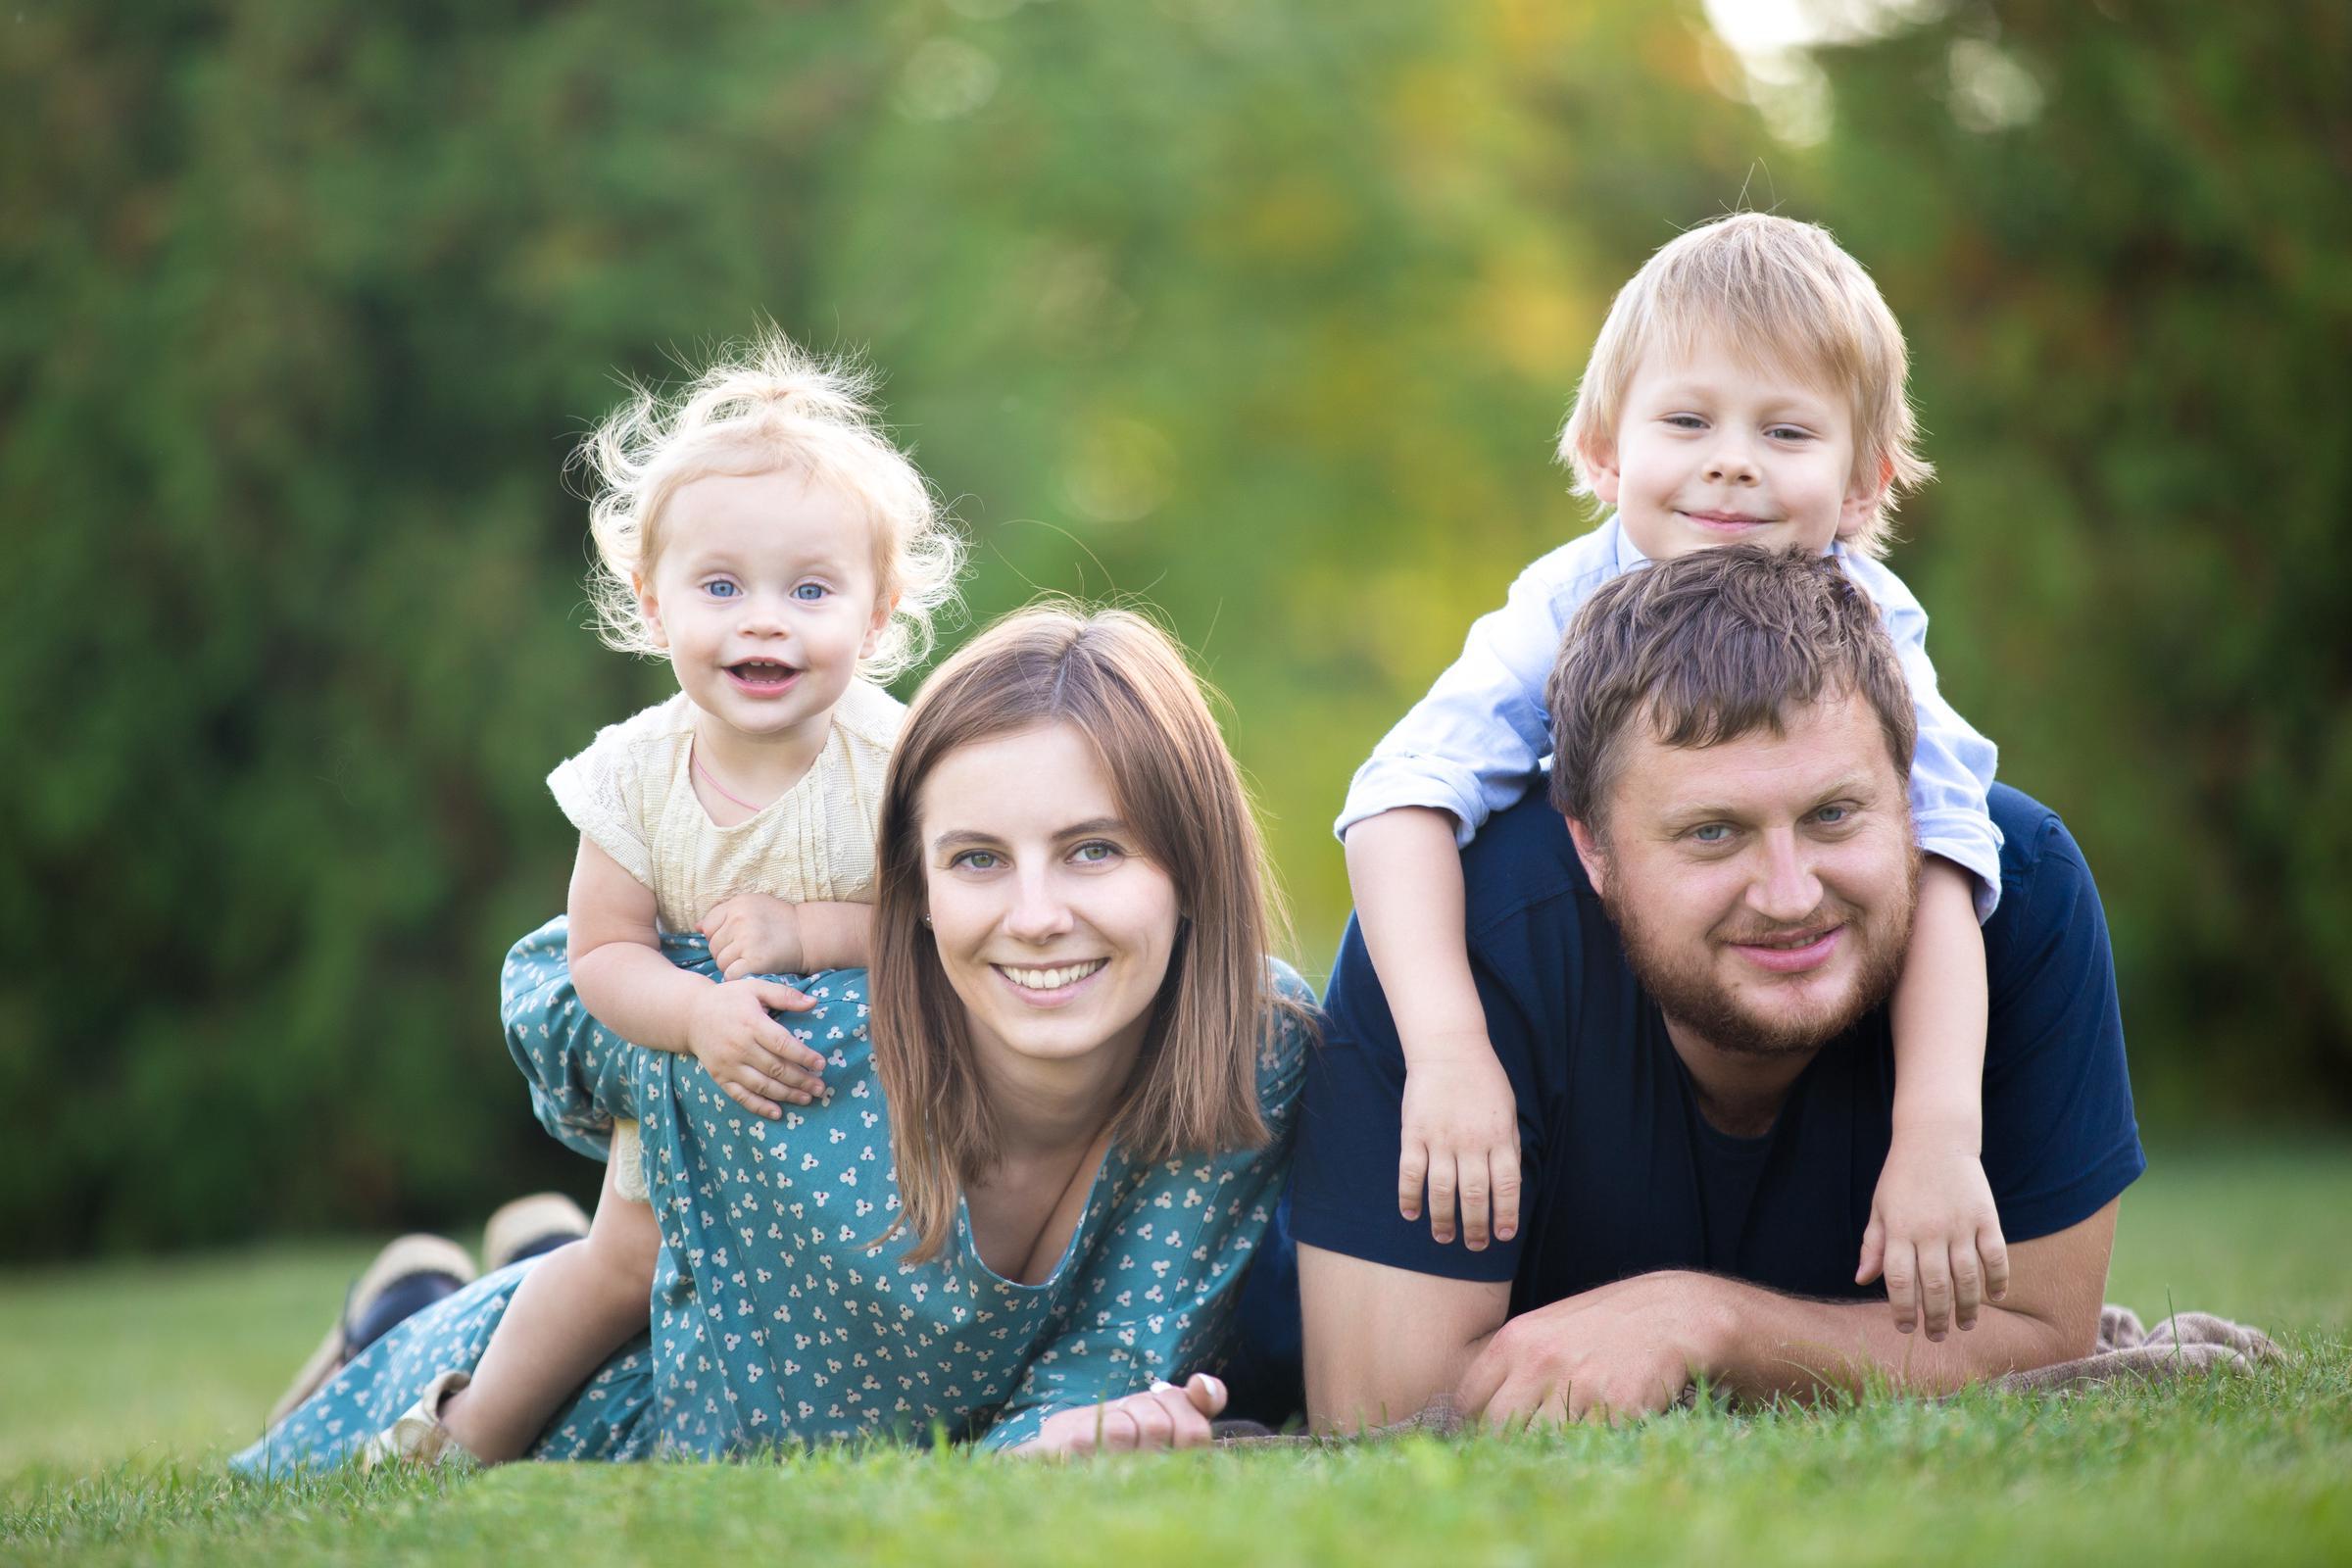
x=720, y=588
x=810, y=592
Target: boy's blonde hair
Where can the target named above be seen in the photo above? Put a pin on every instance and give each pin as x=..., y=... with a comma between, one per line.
x=766, y=405
x=1785, y=294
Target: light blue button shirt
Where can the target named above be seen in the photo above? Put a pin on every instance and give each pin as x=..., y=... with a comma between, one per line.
x=1481, y=737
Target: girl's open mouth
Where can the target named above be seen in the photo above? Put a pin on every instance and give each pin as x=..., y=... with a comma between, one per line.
x=763, y=677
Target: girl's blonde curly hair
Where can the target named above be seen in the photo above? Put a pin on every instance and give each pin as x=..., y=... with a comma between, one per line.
x=766, y=405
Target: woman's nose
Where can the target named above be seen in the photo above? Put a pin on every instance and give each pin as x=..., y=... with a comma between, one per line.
x=1038, y=911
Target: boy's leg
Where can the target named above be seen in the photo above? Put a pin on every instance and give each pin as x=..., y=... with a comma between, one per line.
x=581, y=1302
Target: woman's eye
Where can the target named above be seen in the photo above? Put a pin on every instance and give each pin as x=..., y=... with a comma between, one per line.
x=976, y=860
x=1095, y=851
x=810, y=592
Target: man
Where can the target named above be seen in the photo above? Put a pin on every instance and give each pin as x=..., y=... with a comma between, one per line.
x=1684, y=956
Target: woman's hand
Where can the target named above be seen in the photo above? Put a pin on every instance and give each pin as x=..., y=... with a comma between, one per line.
x=1165, y=1418
x=755, y=1059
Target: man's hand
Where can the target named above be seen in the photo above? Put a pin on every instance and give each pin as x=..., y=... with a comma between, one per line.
x=1626, y=1349
x=755, y=1059
x=1935, y=1234
x=1166, y=1418
x=1461, y=1138
x=751, y=933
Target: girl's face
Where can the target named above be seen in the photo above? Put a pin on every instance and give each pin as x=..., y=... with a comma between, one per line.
x=766, y=597
x=1052, y=924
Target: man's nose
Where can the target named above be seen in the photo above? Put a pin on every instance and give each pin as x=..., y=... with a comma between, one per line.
x=1039, y=913
x=1785, y=890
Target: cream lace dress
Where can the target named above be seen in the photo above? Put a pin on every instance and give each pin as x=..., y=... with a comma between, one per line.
x=631, y=795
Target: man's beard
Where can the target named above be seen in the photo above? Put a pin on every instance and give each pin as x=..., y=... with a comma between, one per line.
x=1689, y=993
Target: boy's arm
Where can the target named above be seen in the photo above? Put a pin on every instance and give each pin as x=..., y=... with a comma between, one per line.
x=1475, y=742
x=1461, y=1120
x=1934, y=1231
x=624, y=980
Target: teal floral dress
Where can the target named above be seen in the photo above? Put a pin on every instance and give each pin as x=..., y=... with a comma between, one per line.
x=774, y=1321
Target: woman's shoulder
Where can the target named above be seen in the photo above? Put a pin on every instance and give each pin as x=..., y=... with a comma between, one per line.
x=1289, y=1023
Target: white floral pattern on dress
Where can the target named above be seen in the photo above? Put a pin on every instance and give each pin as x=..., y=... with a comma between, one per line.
x=774, y=1320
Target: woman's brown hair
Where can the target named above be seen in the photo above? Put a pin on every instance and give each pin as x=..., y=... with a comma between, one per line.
x=1123, y=683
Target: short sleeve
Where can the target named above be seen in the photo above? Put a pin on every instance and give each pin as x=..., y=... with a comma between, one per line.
x=582, y=1076
x=1161, y=1283
x=606, y=793
x=2060, y=1135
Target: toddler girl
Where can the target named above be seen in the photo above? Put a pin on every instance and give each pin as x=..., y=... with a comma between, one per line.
x=762, y=533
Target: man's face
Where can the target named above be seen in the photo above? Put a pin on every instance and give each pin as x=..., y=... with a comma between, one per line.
x=1764, y=885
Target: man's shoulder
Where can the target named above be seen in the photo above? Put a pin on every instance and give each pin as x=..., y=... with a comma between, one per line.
x=1522, y=866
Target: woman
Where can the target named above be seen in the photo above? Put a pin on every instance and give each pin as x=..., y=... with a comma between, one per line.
x=1054, y=1125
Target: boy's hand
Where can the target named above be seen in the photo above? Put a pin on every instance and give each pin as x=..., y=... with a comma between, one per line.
x=755, y=1059
x=1461, y=1138
x=751, y=933
x=1936, y=1235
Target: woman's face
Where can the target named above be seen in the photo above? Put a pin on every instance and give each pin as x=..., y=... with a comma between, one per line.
x=1052, y=925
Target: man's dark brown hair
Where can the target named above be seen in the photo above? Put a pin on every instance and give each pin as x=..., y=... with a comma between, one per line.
x=1707, y=648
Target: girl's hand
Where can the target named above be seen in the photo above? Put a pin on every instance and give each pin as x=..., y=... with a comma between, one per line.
x=1166, y=1418
x=751, y=933
x=755, y=1059
x=1934, y=1234
x=1461, y=1137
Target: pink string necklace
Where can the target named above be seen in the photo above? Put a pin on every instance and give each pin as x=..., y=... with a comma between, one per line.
x=718, y=788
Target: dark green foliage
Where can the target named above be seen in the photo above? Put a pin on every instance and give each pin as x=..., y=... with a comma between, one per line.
x=1262, y=314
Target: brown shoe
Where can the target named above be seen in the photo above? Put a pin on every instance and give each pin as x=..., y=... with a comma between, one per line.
x=529, y=1226
x=404, y=1257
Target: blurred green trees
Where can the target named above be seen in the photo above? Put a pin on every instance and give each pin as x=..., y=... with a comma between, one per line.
x=1262, y=313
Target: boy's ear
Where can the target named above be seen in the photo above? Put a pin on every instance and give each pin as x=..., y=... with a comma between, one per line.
x=1589, y=849
x=1860, y=508
x=650, y=608
x=1600, y=471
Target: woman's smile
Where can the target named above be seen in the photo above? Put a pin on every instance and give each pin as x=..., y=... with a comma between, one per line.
x=1048, y=987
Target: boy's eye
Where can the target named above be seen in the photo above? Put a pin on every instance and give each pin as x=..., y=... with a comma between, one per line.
x=1686, y=421
x=1790, y=432
x=810, y=592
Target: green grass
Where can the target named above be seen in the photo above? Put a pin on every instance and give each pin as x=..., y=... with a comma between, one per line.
x=120, y=1386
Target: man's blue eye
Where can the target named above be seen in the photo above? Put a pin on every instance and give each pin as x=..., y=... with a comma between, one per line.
x=810, y=592
x=1830, y=816
x=1711, y=833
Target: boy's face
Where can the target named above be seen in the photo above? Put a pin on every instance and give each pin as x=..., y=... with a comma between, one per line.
x=1713, y=450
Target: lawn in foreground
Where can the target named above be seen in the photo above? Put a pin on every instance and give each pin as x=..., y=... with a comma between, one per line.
x=146, y=1373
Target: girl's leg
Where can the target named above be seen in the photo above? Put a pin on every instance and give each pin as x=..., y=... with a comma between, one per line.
x=579, y=1305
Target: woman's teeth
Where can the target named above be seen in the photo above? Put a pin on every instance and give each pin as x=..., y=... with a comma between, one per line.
x=1051, y=979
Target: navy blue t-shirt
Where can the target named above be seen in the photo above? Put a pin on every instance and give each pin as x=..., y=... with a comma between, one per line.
x=1622, y=1175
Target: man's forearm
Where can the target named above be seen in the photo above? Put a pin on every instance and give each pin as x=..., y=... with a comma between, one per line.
x=1765, y=1344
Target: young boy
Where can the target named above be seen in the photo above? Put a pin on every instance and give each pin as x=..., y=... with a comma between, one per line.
x=1748, y=384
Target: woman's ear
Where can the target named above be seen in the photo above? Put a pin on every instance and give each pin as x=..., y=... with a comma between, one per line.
x=649, y=607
